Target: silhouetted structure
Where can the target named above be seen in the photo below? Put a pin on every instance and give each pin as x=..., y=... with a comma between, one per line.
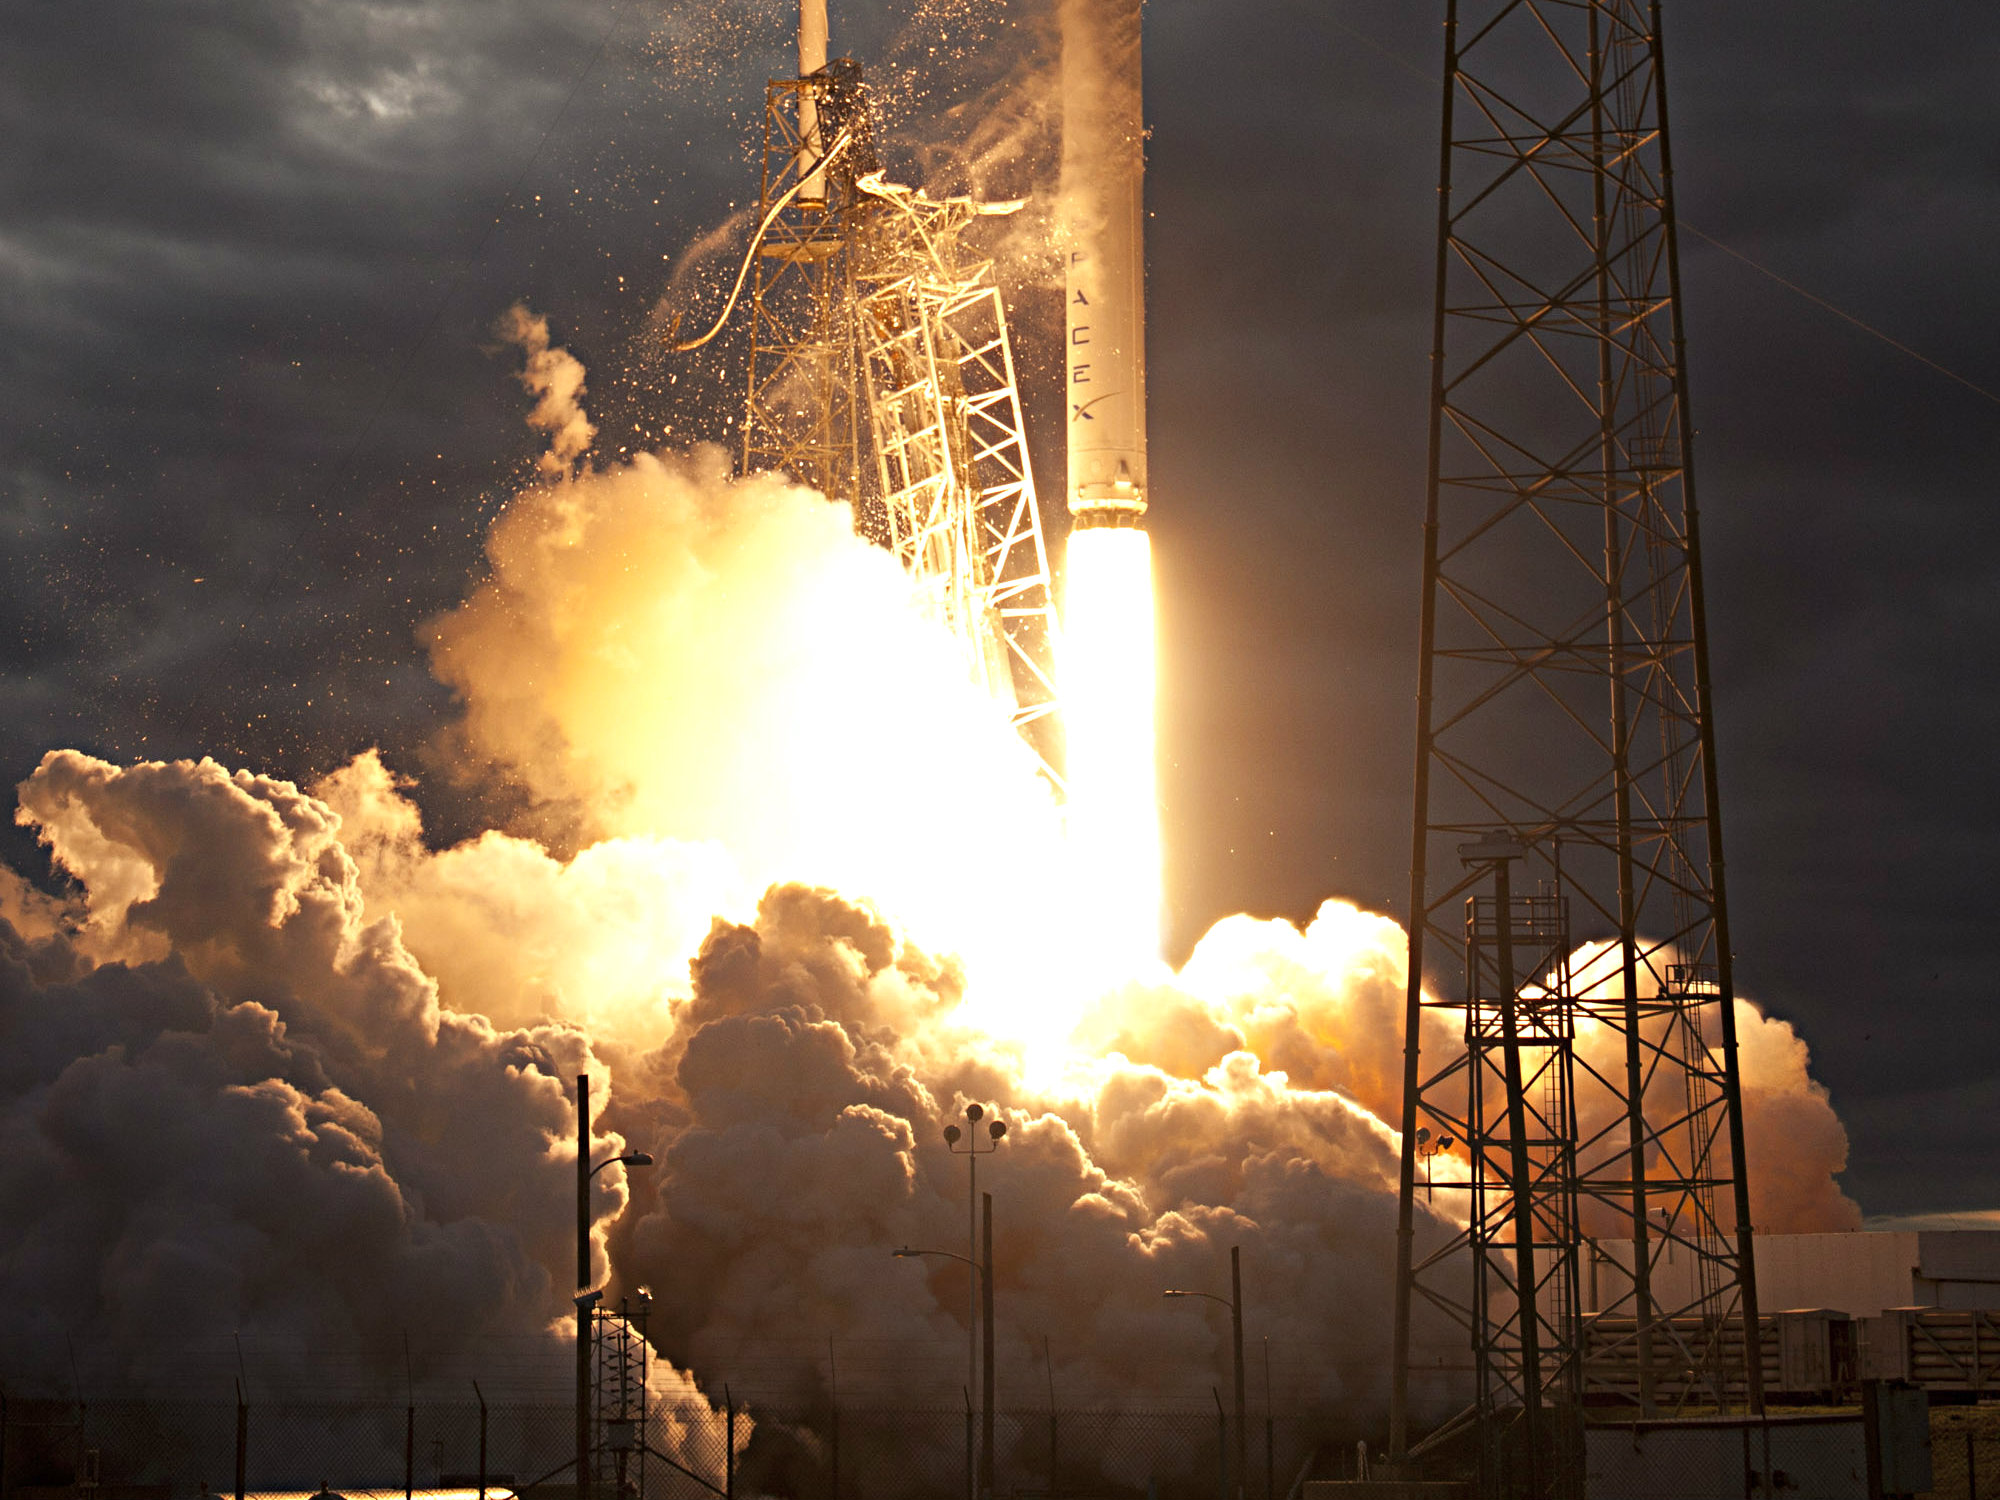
x=1565, y=766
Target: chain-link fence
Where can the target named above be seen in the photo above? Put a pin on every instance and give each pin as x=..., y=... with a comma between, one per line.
x=1818, y=1455
x=1965, y=1452
x=168, y=1450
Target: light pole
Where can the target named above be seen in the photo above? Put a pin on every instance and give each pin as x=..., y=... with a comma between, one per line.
x=1496, y=852
x=983, y=1283
x=586, y=1299
x=1234, y=1302
x=996, y=1129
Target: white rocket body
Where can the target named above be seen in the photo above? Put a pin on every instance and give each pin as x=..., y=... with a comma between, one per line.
x=1107, y=662
x=812, y=58
x=1103, y=183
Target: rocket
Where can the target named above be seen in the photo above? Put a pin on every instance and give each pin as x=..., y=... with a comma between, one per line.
x=1103, y=180
x=812, y=60
x=1107, y=655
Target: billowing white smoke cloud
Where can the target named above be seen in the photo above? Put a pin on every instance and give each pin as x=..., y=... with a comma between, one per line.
x=662, y=652
x=811, y=1146
x=511, y=932
x=287, y=1135
x=267, y=1012
x=1325, y=1005
x=262, y=1121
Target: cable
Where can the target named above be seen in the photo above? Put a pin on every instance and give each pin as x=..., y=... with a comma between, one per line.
x=750, y=255
x=1844, y=316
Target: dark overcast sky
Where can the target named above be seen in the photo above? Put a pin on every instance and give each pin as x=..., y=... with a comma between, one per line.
x=251, y=433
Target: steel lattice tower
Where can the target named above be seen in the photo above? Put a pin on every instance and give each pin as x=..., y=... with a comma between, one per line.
x=803, y=412
x=1565, y=770
x=951, y=451
x=876, y=333
x=620, y=1402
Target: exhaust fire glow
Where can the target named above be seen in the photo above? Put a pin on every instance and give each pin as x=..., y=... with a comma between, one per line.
x=1108, y=690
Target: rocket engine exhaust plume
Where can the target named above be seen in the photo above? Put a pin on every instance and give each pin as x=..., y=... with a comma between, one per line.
x=1108, y=696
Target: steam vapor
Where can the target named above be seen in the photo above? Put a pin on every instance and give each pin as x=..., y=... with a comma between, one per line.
x=275, y=1064
x=555, y=378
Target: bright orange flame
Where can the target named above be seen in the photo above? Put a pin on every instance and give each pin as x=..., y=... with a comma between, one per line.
x=1108, y=691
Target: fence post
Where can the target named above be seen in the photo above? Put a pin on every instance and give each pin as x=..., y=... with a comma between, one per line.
x=242, y=1440
x=1221, y=1447
x=971, y=1470
x=482, y=1439
x=1049, y=1365
x=728, y=1445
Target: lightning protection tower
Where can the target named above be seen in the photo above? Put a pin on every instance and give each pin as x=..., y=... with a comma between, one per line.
x=1565, y=773
x=620, y=1405
x=882, y=374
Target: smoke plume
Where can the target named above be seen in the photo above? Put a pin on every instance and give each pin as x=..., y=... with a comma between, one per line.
x=782, y=887
x=247, y=1111
x=555, y=378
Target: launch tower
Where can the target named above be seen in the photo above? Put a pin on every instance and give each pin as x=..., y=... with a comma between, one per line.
x=1565, y=772
x=881, y=373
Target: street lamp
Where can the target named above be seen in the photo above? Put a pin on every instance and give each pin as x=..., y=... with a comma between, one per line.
x=1428, y=1149
x=996, y=1129
x=979, y=1276
x=906, y=1253
x=586, y=1299
x=1234, y=1302
x=983, y=1286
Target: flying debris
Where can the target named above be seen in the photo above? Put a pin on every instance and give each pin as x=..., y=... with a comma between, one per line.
x=882, y=374
x=874, y=328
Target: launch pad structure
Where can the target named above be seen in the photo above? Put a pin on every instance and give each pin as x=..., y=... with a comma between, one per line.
x=881, y=372
x=1565, y=775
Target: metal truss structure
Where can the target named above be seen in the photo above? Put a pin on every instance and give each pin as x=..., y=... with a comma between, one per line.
x=803, y=415
x=951, y=452
x=1565, y=727
x=618, y=1400
x=874, y=329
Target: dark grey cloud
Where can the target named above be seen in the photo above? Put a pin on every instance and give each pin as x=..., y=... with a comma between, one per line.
x=250, y=435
